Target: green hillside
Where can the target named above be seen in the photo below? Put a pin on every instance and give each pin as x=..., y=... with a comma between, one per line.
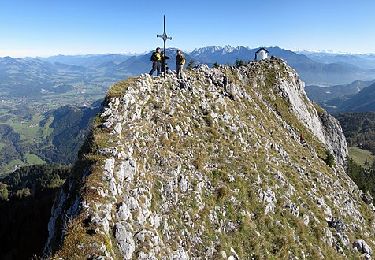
x=362, y=157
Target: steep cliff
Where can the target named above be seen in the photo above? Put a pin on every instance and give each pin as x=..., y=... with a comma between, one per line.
x=230, y=163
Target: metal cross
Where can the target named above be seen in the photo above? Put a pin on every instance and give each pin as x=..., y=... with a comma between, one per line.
x=164, y=37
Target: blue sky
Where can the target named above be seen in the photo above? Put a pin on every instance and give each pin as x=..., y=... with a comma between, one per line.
x=48, y=27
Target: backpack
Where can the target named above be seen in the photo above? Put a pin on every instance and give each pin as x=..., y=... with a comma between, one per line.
x=152, y=58
x=155, y=56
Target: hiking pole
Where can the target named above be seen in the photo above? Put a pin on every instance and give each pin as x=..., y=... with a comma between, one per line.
x=165, y=37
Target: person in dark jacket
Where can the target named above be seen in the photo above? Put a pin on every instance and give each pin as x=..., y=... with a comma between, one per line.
x=180, y=62
x=164, y=65
x=156, y=61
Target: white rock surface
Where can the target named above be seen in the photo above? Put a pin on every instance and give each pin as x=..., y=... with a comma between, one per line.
x=187, y=163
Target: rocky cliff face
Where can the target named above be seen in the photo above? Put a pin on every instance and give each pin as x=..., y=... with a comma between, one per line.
x=227, y=164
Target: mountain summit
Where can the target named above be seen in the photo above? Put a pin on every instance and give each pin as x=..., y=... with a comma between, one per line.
x=230, y=163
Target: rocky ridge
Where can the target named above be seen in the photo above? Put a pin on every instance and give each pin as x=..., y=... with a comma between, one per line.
x=230, y=163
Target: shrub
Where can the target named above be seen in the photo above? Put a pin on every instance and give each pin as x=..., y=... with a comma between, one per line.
x=329, y=160
x=23, y=193
x=364, y=178
x=4, y=193
x=240, y=63
x=221, y=193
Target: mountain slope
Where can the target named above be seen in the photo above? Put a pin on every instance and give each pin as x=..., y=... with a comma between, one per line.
x=31, y=77
x=323, y=94
x=359, y=129
x=211, y=167
x=17, y=74
x=25, y=210
x=56, y=136
x=332, y=98
x=364, y=101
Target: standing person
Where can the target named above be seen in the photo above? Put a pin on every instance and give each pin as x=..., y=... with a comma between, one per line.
x=180, y=61
x=164, y=65
x=156, y=61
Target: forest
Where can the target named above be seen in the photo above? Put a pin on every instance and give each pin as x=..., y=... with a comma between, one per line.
x=26, y=199
x=359, y=129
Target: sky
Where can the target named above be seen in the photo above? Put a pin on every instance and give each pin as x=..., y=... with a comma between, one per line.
x=50, y=27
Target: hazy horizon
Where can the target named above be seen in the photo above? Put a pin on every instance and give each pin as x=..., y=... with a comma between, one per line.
x=333, y=52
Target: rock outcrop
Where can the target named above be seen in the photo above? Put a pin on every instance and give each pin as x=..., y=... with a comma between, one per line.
x=230, y=163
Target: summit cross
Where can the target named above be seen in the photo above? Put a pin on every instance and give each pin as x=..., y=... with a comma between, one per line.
x=164, y=37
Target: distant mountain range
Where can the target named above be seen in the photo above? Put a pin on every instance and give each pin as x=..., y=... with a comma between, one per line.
x=358, y=96
x=310, y=70
x=365, y=61
x=33, y=77
x=363, y=101
x=60, y=74
x=90, y=60
x=324, y=94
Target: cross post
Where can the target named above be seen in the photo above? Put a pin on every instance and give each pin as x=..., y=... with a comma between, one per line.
x=164, y=37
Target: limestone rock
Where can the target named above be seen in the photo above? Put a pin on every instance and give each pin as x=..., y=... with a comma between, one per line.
x=362, y=247
x=226, y=160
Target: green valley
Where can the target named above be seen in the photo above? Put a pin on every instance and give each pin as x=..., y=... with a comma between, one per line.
x=362, y=157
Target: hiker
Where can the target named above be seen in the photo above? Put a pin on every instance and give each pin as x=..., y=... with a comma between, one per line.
x=164, y=65
x=156, y=61
x=180, y=61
